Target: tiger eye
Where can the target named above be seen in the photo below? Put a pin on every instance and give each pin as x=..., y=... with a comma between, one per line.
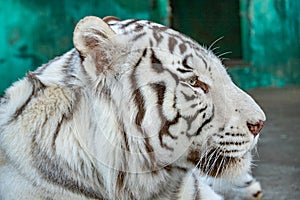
x=192, y=82
x=195, y=82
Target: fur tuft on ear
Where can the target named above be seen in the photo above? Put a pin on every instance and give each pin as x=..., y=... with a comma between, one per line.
x=89, y=33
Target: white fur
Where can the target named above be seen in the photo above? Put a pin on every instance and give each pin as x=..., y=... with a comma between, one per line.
x=70, y=129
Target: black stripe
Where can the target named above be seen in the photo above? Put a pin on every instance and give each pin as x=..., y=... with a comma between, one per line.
x=204, y=61
x=182, y=48
x=172, y=43
x=37, y=85
x=151, y=154
x=57, y=130
x=138, y=98
x=139, y=61
x=150, y=43
x=139, y=102
x=194, y=105
x=41, y=69
x=144, y=54
x=187, y=97
x=130, y=22
x=157, y=36
x=160, y=90
x=120, y=182
x=174, y=76
x=68, y=67
x=179, y=184
x=183, y=39
x=192, y=44
x=138, y=28
x=20, y=110
x=138, y=36
x=124, y=134
x=67, y=115
x=183, y=70
x=202, y=109
x=56, y=172
x=196, y=187
x=164, y=131
x=205, y=122
x=186, y=41
x=190, y=120
x=160, y=28
x=156, y=63
x=184, y=62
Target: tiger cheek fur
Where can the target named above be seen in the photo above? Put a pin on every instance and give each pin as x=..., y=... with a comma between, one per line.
x=135, y=111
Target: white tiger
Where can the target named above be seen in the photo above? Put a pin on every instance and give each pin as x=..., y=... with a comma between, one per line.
x=135, y=111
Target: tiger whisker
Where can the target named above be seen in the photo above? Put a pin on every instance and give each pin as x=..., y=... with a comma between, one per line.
x=214, y=42
x=219, y=150
x=200, y=164
x=209, y=168
x=215, y=48
x=208, y=161
x=214, y=180
x=215, y=160
x=225, y=53
x=256, y=152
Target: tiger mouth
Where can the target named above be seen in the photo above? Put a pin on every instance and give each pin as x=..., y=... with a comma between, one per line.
x=213, y=163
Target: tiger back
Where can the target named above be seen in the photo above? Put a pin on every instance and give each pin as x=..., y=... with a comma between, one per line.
x=135, y=111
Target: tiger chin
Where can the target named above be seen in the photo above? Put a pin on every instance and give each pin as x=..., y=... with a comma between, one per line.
x=135, y=111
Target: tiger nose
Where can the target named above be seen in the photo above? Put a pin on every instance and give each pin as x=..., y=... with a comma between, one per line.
x=255, y=128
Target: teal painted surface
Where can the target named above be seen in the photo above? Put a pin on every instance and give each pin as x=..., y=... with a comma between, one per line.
x=34, y=31
x=271, y=43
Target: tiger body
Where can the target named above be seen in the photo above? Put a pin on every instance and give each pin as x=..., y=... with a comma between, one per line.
x=135, y=111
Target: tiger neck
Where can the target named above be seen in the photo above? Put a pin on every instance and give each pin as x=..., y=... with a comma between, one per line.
x=103, y=136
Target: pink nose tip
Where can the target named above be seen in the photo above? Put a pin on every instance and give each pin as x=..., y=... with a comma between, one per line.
x=255, y=128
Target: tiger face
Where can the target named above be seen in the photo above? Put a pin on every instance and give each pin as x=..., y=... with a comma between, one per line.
x=171, y=99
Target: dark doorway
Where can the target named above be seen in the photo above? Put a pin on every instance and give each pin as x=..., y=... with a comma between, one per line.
x=207, y=21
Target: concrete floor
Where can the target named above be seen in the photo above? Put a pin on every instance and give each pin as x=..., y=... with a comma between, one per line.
x=277, y=165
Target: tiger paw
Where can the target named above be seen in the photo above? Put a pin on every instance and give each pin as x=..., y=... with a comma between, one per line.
x=193, y=187
x=242, y=188
x=253, y=191
x=250, y=190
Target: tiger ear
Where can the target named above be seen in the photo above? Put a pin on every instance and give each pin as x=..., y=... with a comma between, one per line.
x=91, y=32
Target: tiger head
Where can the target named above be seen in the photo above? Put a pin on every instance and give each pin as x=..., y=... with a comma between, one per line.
x=169, y=101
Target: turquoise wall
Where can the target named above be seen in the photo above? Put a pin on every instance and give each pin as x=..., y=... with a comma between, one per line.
x=271, y=43
x=34, y=31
